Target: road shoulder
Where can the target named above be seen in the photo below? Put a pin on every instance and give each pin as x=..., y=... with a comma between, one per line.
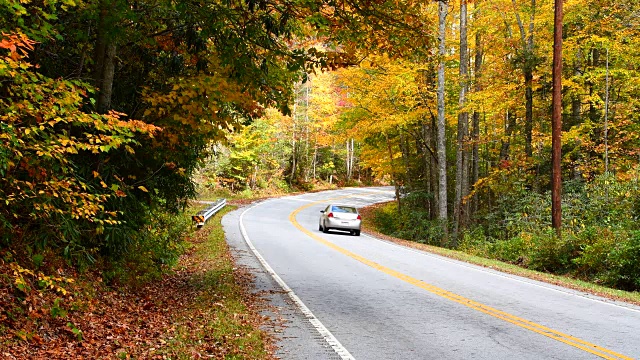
x=295, y=337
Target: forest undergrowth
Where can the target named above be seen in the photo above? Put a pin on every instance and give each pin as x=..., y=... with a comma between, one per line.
x=599, y=243
x=199, y=306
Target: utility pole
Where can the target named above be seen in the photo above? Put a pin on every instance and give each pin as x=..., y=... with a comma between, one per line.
x=556, y=123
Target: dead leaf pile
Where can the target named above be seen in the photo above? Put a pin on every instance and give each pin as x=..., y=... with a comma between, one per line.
x=189, y=313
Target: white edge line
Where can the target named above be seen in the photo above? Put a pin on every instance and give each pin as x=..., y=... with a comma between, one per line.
x=532, y=282
x=326, y=334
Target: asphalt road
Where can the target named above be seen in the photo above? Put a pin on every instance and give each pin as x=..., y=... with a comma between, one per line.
x=345, y=297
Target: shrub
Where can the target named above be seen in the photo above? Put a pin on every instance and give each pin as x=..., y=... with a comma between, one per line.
x=596, y=243
x=385, y=218
x=624, y=258
x=612, y=203
x=551, y=253
x=152, y=250
x=613, y=260
x=513, y=250
x=476, y=243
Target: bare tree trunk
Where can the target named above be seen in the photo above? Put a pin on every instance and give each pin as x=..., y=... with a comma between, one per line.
x=606, y=119
x=462, y=171
x=404, y=150
x=306, y=129
x=433, y=181
x=294, y=153
x=349, y=159
x=442, y=145
x=570, y=121
x=104, y=97
x=430, y=158
x=476, y=118
x=556, y=127
x=315, y=157
x=393, y=175
x=104, y=60
x=593, y=110
x=510, y=124
x=527, y=68
x=528, y=122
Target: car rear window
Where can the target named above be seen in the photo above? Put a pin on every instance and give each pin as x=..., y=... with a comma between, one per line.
x=344, y=209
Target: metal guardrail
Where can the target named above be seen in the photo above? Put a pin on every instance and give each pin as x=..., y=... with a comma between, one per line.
x=202, y=216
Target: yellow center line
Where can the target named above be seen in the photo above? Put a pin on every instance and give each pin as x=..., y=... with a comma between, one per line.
x=526, y=324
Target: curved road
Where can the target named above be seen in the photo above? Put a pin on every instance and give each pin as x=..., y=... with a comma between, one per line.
x=347, y=297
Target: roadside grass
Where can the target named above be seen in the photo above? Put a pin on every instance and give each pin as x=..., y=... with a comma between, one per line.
x=370, y=227
x=222, y=317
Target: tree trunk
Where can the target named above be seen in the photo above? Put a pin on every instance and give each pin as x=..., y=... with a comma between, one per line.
x=393, y=175
x=576, y=100
x=315, y=157
x=404, y=150
x=350, y=159
x=463, y=126
x=476, y=119
x=294, y=154
x=510, y=124
x=606, y=120
x=556, y=127
x=104, y=97
x=431, y=180
x=528, y=121
x=442, y=145
x=306, y=130
x=593, y=109
x=104, y=60
x=528, y=65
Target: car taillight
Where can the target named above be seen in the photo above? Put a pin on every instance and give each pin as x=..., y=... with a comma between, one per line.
x=359, y=218
x=330, y=215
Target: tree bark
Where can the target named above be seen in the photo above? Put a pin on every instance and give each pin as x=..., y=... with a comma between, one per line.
x=510, y=124
x=576, y=101
x=306, y=130
x=606, y=119
x=104, y=97
x=294, y=153
x=528, y=65
x=528, y=119
x=593, y=109
x=462, y=172
x=104, y=59
x=556, y=126
x=441, y=137
x=476, y=118
x=393, y=175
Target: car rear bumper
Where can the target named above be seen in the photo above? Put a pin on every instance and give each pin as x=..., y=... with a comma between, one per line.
x=343, y=224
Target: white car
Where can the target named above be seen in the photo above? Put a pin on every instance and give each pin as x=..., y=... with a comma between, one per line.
x=340, y=217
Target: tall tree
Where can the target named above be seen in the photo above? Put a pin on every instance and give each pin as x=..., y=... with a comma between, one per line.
x=443, y=7
x=462, y=154
x=528, y=63
x=556, y=155
x=477, y=69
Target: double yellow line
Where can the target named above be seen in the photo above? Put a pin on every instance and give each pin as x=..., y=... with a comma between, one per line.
x=529, y=325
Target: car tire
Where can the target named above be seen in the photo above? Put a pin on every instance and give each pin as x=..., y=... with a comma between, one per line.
x=319, y=227
x=325, y=229
x=357, y=232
